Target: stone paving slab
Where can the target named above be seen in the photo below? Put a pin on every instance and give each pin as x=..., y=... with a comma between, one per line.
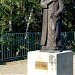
x=20, y=67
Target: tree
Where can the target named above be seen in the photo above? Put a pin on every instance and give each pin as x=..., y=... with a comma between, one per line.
x=33, y=9
x=15, y=14
x=68, y=16
x=26, y=15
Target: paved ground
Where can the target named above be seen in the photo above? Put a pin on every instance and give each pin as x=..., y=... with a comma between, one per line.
x=14, y=68
x=19, y=67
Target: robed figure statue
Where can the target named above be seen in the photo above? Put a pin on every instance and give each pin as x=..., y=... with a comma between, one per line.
x=51, y=29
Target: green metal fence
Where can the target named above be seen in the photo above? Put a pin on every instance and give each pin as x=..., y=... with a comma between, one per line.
x=68, y=40
x=16, y=45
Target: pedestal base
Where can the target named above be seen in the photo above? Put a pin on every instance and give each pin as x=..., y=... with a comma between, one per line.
x=44, y=63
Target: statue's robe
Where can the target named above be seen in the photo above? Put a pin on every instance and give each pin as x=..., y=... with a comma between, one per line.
x=50, y=30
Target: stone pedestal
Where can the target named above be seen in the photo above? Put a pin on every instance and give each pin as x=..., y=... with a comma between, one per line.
x=45, y=63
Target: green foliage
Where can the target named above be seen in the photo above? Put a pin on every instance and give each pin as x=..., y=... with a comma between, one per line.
x=15, y=14
x=69, y=15
x=36, y=19
x=3, y=16
x=18, y=12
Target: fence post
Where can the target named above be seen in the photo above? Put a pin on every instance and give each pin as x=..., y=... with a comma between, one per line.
x=1, y=47
x=28, y=41
x=2, y=52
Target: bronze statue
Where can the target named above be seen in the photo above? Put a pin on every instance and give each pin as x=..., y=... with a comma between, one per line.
x=52, y=9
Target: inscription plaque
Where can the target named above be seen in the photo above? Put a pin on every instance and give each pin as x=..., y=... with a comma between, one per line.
x=41, y=65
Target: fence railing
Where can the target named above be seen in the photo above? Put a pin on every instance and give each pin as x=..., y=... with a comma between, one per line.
x=16, y=45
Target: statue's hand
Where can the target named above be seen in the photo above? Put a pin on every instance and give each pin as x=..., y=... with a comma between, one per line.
x=43, y=5
x=56, y=15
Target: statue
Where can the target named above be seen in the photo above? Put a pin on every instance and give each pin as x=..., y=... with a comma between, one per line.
x=51, y=29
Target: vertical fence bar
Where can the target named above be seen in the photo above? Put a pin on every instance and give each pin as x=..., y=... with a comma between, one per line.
x=1, y=47
x=28, y=41
x=8, y=44
x=24, y=43
x=11, y=44
x=35, y=41
x=16, y=35
x=19, y=44
x=2, y=52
